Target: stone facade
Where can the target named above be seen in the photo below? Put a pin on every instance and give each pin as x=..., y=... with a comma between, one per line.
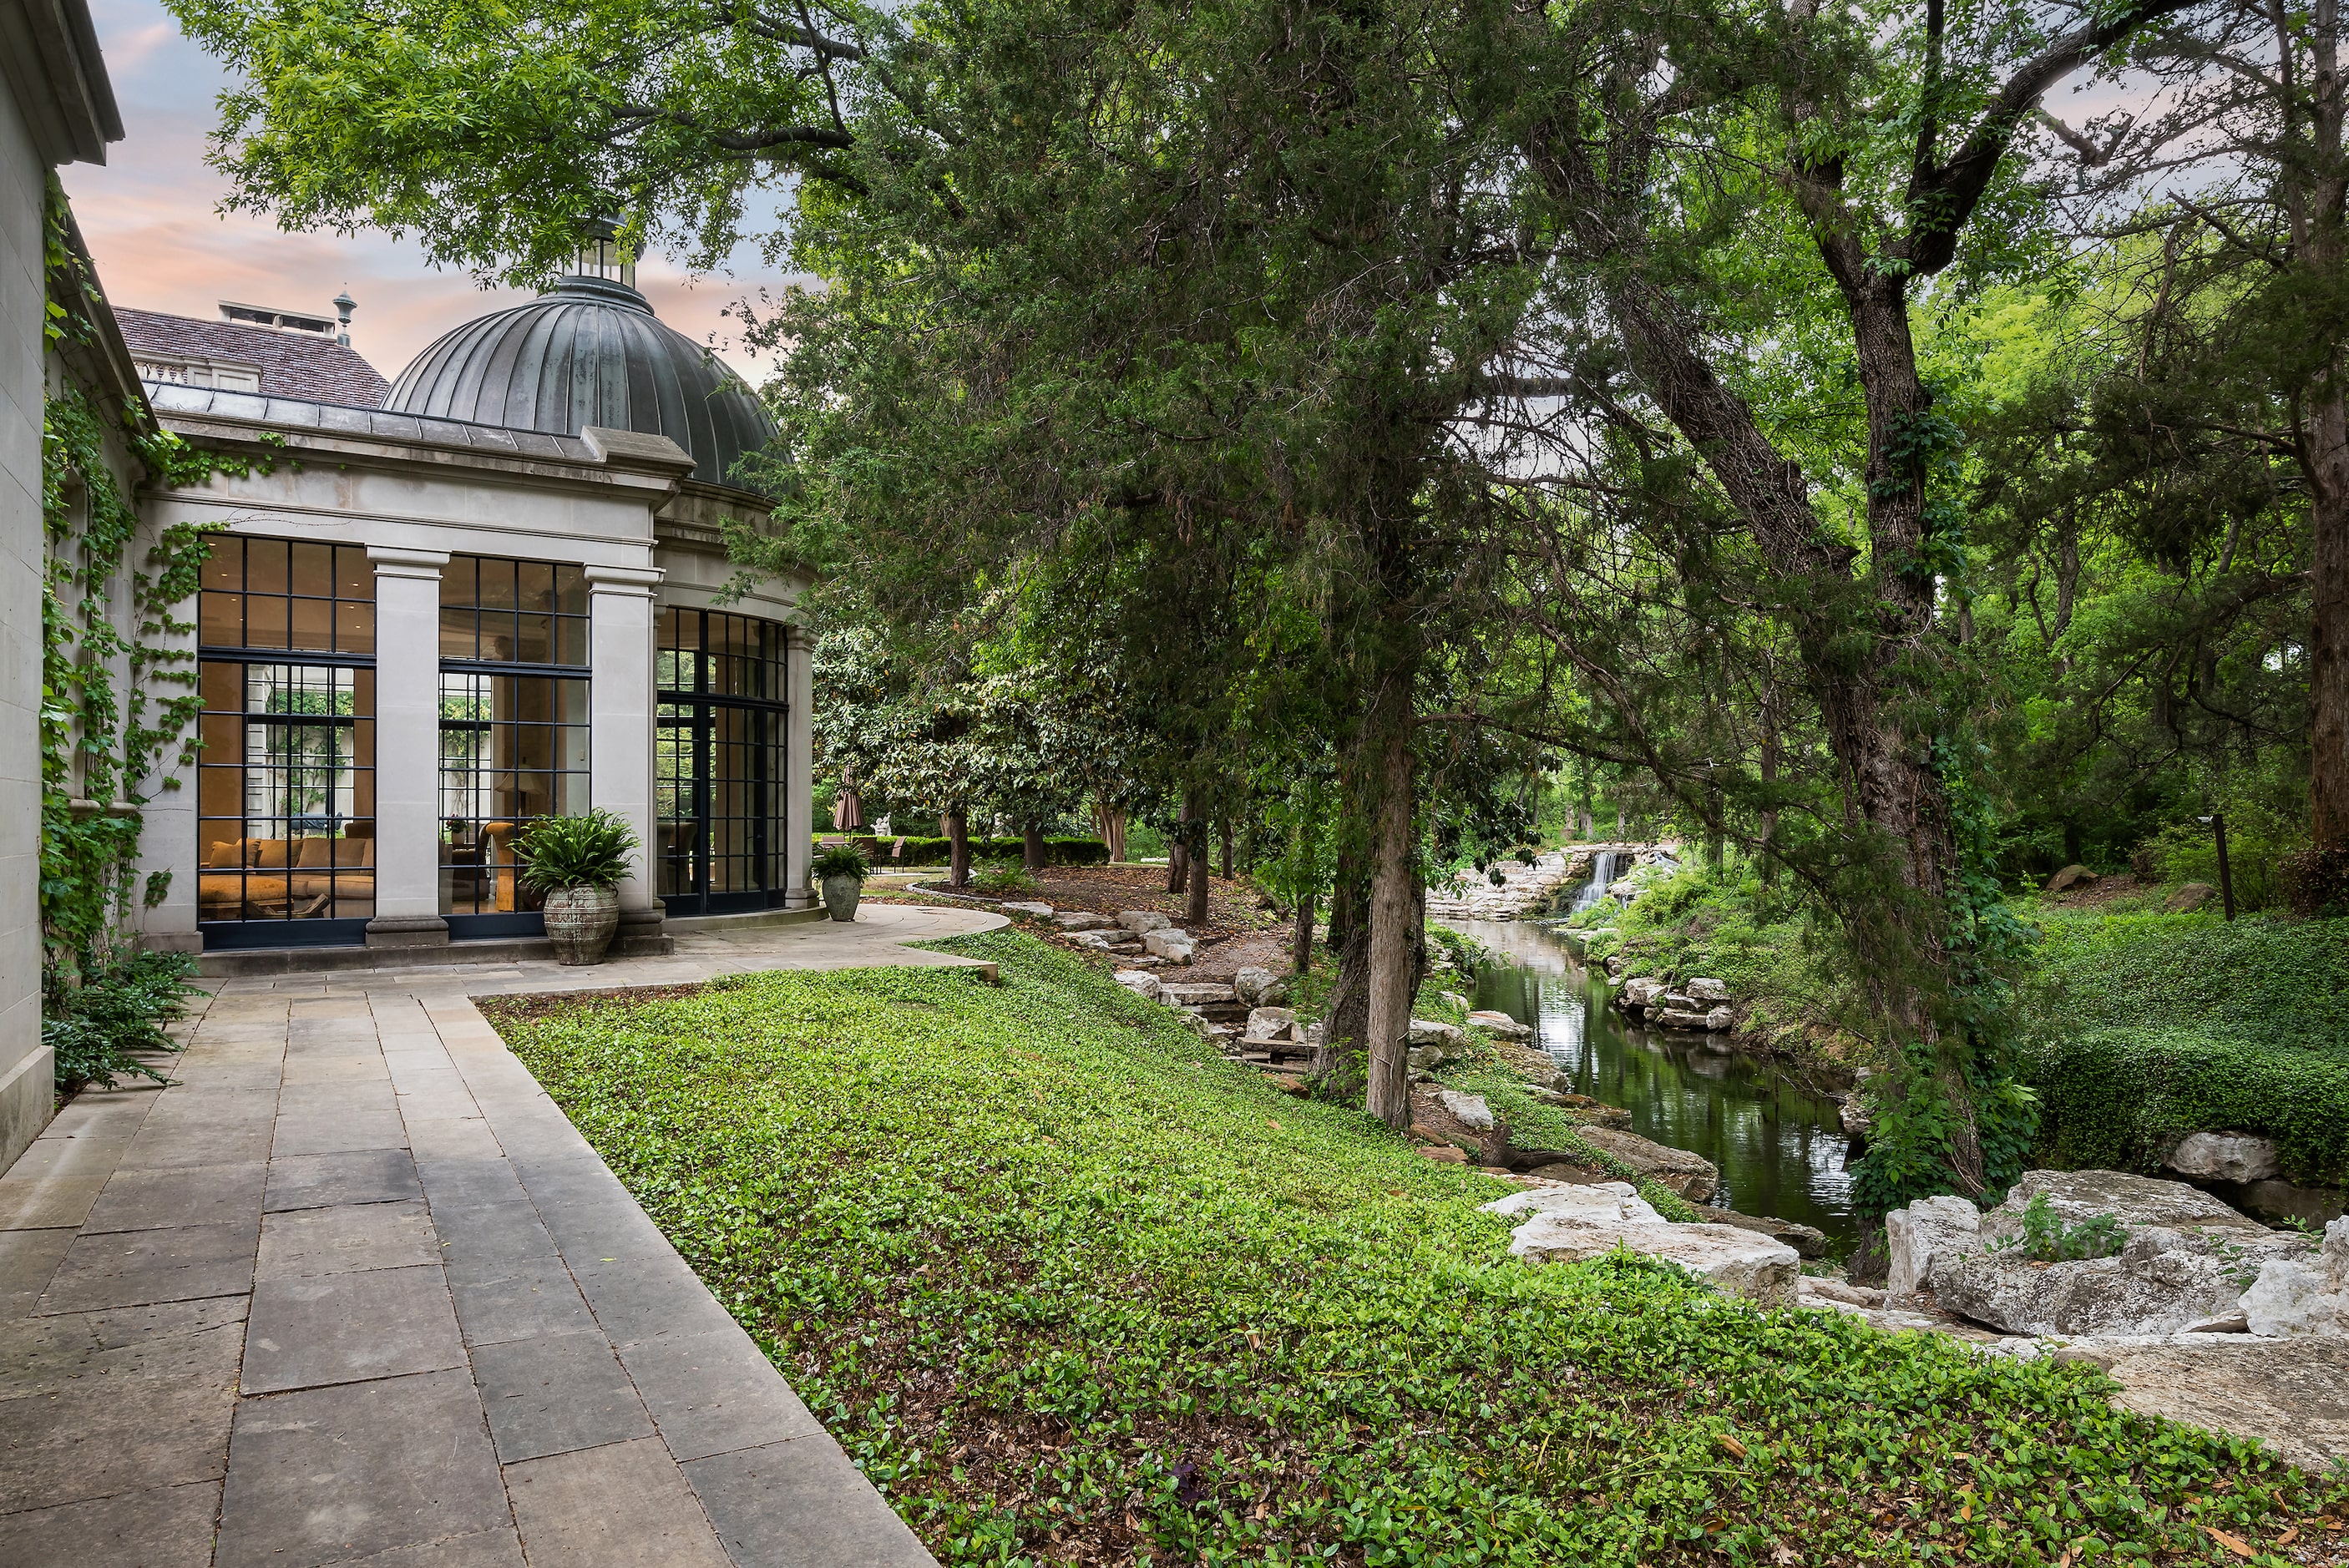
x=56, y=106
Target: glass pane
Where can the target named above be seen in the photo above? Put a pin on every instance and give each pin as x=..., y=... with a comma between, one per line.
x=570, y=591
x=456, y=638
x=265, y=565
x=354, y=627
x=224, y=567
x=312, y=627
x=218, y=622
x=265, y=620
x=313, y=570
x=571, y=641
x=285, y=775
x=354, y=574
x=537, y=644
x=537, y=594
x=498, y=584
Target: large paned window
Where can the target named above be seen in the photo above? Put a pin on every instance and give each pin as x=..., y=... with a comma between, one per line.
x=514, y=729
x=286, y=777
x=718, y=758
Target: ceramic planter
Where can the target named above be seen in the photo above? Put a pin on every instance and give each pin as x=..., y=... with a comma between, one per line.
x=839, y=894
x=580, y=922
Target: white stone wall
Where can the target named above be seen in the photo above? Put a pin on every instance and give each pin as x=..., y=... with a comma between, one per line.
x=26, y=1086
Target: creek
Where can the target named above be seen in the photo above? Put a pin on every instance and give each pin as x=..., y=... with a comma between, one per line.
x=1780, y=1148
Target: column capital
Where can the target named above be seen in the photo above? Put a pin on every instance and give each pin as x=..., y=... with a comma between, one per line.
x=392, y=561
x=634, y=581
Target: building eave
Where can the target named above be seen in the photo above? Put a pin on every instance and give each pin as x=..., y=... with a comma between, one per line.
x=49, y=52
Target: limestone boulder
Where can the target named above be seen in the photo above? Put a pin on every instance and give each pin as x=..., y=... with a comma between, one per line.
x=1926, y=1229
x=1429, y=1032
x=1682, y=1018
x=1038, y=910
x=1692, y=1176
x=2190, y=896
x=1261, y=988
x=1720, y=1018
x=2185, y=1263
x=2069, y=878
x=1705, y=990
x=2296, y=1296
x=1082, y=920
x=1140, y=920
x=1173, y=946
x=1639, y=993
x=1573, y=1223
x=1271, y=1023
x=1469, y=1108
x=1498, y=1023
x=1201, y=994
x=2225, y=1157
x=1141, y=982
x=1808, y=1241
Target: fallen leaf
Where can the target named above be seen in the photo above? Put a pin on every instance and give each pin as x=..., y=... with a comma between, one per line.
x=1273, y=1125
x=2288, y=1536
x=1255, y=1340
x=1967, y=1512
x=2239, y=1547
x=1782, y=1553
x=1732, y=1444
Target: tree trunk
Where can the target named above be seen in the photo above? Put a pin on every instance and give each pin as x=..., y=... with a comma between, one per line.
x=1301, y=947
x=1195, y=912
x=1345, y=1019
x=1228, y=849
x=1394, y=908
x=1033, y=853
x=958, y=849
x=1178, y=851
x=2328, y=666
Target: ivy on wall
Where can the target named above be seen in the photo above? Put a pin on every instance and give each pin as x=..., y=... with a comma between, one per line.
x=117, y=698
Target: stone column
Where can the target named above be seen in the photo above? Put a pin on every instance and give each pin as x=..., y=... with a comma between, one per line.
x=799, y=769
x=406, y=749
x=620, y=712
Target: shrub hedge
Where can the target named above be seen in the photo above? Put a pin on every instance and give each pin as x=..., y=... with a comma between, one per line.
x=940, y=851
x=2148, y=1026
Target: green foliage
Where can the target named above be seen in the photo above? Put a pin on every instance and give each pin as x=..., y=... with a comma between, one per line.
x=119, y=702
x=842, y=861
x=100, y=1023
x=1051, y=1272
x=1455, y=953
x=2260, y=838
x=1003, y=879
x=590, y=850
x=2152, y=1026
x=2045, y=1238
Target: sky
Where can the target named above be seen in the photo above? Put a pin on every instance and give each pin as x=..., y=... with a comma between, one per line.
x=149, y=213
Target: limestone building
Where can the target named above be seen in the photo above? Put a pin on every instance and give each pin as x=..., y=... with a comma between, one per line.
x=501, y=592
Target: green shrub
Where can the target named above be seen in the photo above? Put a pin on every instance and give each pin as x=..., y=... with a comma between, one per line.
x=2045, y=1238
x=2150, y=1026
x=1003, y=879
x=587, y=851
x=97, y=1029
x=841, y=861
x=2259, y=841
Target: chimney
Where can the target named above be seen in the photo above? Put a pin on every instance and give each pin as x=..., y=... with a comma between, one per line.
x=344, y=305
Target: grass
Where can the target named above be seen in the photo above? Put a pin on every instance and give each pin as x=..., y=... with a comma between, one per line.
x=1073, y=1290
x=2146, y=1026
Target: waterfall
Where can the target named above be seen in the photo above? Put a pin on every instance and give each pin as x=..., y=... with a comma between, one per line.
x=1602, y=871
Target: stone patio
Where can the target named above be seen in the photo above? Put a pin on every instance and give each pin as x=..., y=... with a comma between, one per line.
x=353, y=1291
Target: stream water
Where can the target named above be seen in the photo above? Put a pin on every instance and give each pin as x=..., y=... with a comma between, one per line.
x=1781, y=1149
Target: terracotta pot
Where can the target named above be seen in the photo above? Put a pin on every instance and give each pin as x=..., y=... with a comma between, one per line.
x=580, y=922
x=840, y=895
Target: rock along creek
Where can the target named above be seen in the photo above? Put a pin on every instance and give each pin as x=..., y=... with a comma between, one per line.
x=1780, y=1150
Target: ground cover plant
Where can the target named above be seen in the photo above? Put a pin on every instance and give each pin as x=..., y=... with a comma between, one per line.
x=2148, y=1025
x=102, y=1024
x=1073, y=1290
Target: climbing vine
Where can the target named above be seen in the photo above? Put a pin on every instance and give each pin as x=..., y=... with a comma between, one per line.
x=117, y=694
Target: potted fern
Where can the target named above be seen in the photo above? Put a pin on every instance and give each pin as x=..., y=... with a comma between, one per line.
x=840, y=871
x=576, y=864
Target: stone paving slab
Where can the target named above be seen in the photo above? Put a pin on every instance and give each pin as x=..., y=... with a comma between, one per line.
x=352, y=1291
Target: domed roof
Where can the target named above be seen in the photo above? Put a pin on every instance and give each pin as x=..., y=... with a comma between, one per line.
x=589, y=351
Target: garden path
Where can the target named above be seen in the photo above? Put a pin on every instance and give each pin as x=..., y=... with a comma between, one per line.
x=352, y=1290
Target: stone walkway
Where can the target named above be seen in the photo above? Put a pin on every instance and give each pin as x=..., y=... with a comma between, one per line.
x=352, y=1290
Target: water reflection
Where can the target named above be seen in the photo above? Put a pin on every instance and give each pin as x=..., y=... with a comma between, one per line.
x=1780, y=1150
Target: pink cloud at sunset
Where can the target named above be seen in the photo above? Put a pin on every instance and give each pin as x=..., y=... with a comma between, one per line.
x=150, y=216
